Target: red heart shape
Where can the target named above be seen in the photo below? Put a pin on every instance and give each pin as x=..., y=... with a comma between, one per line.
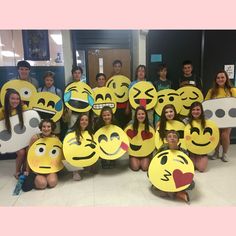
x=131, y=133
x=146, y=135
x=181, y=178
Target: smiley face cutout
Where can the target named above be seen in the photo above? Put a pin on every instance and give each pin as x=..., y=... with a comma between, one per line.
x=168, y=96
x=120, y=85
x=113, y=142
x=48, y=105
x=83, y=153
x=171, y=171
x=141, y=142
x=26, y=90
x=176, y=125
x=78, y=97
x=45, y=155
x=104, y=97
x=189, y=95
x=143, y=94
x=201, y=140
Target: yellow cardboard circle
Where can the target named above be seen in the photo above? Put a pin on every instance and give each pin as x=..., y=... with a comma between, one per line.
x=104, y=97
x=113, y=142
x=143, y=94
x=201, y=140
x=45, y=155
x=171, y=171
x=82, y=154
x=48, y=105
x=141, y=142
x=120, y=86
x=189, y=95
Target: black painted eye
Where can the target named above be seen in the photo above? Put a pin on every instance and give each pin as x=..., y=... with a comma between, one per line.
x=51, y=103
x=115, y=135
x=194, y=129
x=171, y=99
x=108, y=96
x=90, y=145
x=114, y=85
x=41, y=100
x=208, y=130
x=164, y=160
x=99, y=96
x=148, y=91
x=138, y=92
x=54, y=152
x=40, y=150
x=161, y=100
x=102, y=137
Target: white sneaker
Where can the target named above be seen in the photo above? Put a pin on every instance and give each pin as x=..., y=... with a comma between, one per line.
x=224, y=158
x=76, y=176
x=215, y=155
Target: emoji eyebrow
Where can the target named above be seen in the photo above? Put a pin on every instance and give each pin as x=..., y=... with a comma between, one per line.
x=91, y=141
x=195, y=93
x=176, y=94
x=183, y=158
x=70, y=140
x=72, y=88
x=86, y=91
x=57, y=146
x=161, y=96
x=164, y=153
x=182, y=93
x=125, y=84
x=41, y=144
x=109, y=83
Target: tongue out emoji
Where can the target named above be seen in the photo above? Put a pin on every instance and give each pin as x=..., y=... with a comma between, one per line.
x=143, y=102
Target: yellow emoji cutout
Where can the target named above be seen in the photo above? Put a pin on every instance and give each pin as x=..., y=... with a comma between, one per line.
x=141, y=142
x=176, y=125
x=113, y=142
x=201, y=140
x=45, y=155
x=168, y=96
x=104, y=97
x=83, y=153
x=78, y=97
x=48, y=105
x=171, y=171
x=189, y=95
x=143, y=94
x=120, y=85
x=26, y=90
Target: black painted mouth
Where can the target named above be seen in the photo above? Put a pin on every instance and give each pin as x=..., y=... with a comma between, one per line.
x=78, y=104
x=45, y=167
x=137, y=101
x=44, y=115
x=109, y=154
x=201, y=144
x=135, y=147
x=166, y=175
x=120, y=96
x=83, y=158
x=186, y=107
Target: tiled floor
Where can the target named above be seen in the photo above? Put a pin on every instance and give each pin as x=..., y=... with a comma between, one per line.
x=123, y=187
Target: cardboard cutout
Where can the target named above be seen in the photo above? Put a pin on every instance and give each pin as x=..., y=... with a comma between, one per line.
x=19, y=138
x=222, y=111
x=120, y=85
x=189, y=95
x=172, y=125
x=83, y=153
x=104, y=97
x=78, y=97
x=201, y=140
x=48, y=105
x=113, y=142
x=168, y=96
x=26, y=90
x=141, y=142
x=143, y=94
x=45, y=155
x=171, y=171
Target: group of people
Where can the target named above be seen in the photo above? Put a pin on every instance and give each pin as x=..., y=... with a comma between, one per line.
x=81, y=122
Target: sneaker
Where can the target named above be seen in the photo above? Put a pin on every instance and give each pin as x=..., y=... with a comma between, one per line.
x=215, y=155
x=224, y=158
x=76, y=176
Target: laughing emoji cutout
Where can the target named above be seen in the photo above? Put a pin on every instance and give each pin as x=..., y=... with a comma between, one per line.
x=176, y=125
x=104, y=97
x=83, y=153
x=171, y=171
x=113, y=142
x=48, y=105
x=189, y=95
x=120, y=85
x=168, y=96
x=143, y=94
x=45, y=155
x=201, y=140
x=141, y=142
x=78, y=97
x=26, y=90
